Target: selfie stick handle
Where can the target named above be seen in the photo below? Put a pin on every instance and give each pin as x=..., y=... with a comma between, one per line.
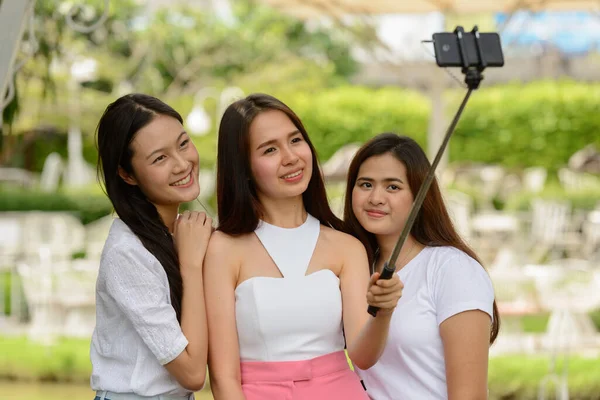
x=473, y=78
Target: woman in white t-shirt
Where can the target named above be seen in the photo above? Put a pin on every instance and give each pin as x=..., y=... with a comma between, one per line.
x=150, y=339
x=443, y=325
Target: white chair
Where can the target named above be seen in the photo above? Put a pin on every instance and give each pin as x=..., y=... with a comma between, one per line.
x=460, y=208
x=61, y=232
x=534, y=179
x=11, y=244
x=76, y=295
x=95, y=236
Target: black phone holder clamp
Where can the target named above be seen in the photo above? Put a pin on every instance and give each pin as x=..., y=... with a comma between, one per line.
x=473, y=76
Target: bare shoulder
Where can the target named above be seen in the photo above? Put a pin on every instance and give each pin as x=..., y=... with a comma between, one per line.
x=343, y=242
x=223, y=246
x=223, y=251
x=219, y=242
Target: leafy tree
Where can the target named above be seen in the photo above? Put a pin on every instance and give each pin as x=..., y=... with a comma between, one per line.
x=170, y=53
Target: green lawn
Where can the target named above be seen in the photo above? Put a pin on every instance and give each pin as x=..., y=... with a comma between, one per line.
x=33, y=371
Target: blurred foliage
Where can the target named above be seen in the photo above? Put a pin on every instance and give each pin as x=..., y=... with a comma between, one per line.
x=6, y=290
x=59, y=45
x=87, y=203
x=515, y=127
x=519, y=377
x=532, y=323
x=538, y=124
x=180, y=46
x=66, y=361
x=584, y=199
x=86, y=206
x=170, y=53
x=192, y=48
x=176, y=51
x=595, y=315
x=348, y=114
x=43, y=96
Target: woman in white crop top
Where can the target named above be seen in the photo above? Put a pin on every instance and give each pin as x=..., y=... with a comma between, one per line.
x=283, y=286
x=447, y=317
x=150, y=339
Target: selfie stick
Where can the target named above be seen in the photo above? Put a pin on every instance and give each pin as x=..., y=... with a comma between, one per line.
x=473, y=78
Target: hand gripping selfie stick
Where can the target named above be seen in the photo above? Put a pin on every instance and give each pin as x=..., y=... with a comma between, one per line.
x=473, y=78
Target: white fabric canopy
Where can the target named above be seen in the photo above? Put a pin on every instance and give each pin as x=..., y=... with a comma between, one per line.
x=313, y=8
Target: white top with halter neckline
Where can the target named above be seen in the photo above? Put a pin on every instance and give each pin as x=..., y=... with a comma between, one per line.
x=296, y=317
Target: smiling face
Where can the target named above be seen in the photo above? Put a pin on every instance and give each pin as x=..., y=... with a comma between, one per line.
x=381, y=197
x=280, y=158
x=164, y=163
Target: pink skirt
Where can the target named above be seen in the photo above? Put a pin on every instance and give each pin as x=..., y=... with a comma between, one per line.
x=327, y=377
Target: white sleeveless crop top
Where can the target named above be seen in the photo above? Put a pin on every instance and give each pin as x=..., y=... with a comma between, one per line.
x=297, y=317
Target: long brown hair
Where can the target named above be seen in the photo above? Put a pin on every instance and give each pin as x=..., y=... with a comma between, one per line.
x=116, y=130
x=239, y=209
x=433, y=226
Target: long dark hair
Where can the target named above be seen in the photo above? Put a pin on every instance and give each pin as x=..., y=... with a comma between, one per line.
x=238, y=205
x=433, y=226
x=117, y=128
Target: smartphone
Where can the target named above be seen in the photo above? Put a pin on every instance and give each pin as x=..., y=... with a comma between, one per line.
x=447, y=52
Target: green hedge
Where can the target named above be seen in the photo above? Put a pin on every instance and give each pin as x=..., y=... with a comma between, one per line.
x=595, y=315
x=538, y=124
x=64, y=361
x=519, y=377
x=343, y=115
x=87, y=206
x=31, y=153
x=586, y=199
x=538, y=323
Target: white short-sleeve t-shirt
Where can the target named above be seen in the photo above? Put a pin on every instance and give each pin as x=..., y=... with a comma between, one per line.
x=438, y=283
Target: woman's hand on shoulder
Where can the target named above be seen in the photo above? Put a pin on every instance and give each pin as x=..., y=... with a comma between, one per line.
x=191, y=235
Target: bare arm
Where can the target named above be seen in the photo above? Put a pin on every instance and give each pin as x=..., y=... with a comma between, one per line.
x=220, y=276
x=465, y=337
x=366, y=336
x=192, y=233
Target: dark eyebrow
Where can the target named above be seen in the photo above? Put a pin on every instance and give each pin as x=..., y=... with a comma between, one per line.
x=162, y=148
x=387, y=180
x=272, y=141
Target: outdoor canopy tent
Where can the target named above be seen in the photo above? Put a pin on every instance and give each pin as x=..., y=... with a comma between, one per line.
x=312, y=8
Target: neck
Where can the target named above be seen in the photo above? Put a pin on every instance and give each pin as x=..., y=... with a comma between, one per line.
x=285, y=213
x=386, y=246
x=168, y=214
